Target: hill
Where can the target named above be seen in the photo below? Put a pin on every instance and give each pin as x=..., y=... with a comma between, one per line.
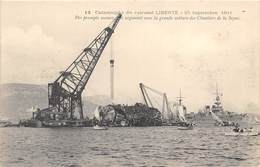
x=16, y=100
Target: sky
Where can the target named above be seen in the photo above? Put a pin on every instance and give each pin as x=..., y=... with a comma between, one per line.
x=40, y=39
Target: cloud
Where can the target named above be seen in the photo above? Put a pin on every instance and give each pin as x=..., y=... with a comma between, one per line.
x=30, y=55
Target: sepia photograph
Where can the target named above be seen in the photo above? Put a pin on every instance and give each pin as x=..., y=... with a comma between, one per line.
x=130, y=83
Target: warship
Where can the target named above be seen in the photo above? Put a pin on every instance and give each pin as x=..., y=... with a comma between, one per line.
x=215, y=114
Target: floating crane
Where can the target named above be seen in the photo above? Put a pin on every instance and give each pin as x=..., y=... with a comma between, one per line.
x=165, y=103
x=65, y=93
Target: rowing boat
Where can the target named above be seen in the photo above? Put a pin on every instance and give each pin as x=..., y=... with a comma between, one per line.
x=242, y=134
x=185, y=128
x=96, y=127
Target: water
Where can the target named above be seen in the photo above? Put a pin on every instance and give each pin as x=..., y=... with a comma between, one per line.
x=142, y=146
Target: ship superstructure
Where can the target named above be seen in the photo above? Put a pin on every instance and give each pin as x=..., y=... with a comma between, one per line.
x=217, y=106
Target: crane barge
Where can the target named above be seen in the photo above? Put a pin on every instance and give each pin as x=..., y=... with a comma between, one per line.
x=65, y=93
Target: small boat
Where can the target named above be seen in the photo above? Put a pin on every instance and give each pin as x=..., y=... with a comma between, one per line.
x=242, y=134
x=97, y=127
x=5, y=123
x=185, y=128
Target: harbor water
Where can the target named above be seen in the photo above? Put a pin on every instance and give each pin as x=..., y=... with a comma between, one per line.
x=131, y=146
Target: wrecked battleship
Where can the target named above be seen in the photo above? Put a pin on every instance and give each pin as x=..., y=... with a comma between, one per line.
x=127, y=115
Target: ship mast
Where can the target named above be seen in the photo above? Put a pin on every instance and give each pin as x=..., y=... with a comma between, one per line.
x=218, y=102
x=180, y=98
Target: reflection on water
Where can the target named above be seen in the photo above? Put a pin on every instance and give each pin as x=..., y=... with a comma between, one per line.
x=146, y=146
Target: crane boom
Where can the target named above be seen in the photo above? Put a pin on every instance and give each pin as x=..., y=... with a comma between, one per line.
x=65, y=92
x=165, y=103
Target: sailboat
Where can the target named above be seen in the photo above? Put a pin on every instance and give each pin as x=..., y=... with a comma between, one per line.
x=99, y=116
x=181, y=111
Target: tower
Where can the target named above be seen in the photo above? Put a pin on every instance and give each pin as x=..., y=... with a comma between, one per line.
x=112, y=62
